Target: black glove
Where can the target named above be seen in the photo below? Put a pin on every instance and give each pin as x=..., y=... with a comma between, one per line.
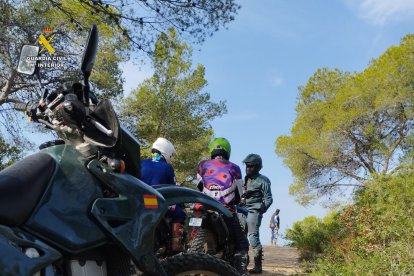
x=262, y=208
x=200, y=186
x=243, y=200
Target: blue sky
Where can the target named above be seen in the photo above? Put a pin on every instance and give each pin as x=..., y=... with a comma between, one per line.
x=271, y=48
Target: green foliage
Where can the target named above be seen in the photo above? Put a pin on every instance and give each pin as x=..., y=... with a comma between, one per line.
x=172, y=104
x=141, y=21
x=8, y=154
x=311, y=235
x=74, y=18
x=372, y=237
x=351, y=128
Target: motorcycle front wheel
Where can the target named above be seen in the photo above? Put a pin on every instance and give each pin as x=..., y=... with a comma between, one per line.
x=197, y=264
x=203, y=242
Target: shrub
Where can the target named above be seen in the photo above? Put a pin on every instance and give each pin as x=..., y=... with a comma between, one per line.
x=312, y=235
x=377, y=232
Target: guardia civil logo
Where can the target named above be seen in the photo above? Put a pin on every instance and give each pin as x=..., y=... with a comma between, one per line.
x=47, y=56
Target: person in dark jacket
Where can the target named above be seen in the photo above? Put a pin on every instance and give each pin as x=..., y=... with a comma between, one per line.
x=257, y=198
x=158, y=170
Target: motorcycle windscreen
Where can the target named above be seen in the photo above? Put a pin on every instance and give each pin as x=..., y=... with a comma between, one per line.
x=128, y=149
x=105, y=114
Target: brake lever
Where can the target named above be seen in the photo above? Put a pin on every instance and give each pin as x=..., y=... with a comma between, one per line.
x=59, y=99
x=46, y=123
x=100, y=127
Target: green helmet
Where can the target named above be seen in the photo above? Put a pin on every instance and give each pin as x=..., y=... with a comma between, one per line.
x=219, y=146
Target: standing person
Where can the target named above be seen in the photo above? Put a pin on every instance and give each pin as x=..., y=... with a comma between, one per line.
x=274, y=226
x=158, y=170
x=219, y=179
x=258, y=198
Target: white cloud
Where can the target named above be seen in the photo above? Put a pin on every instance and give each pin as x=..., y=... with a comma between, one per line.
x=378, y=12
x=277, y=81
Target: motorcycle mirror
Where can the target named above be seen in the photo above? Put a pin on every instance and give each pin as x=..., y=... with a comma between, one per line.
x=89, y=53
x=27, y=64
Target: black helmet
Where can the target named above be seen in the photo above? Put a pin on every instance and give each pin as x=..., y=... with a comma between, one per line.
x=253, y=159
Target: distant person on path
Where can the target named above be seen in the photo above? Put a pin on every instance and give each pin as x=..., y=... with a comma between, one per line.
x=258, y=198
x=274, y=226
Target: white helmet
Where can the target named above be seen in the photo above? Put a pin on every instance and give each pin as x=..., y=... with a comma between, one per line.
x=165, y=147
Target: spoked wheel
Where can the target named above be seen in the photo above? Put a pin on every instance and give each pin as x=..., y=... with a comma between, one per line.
x=197, y=264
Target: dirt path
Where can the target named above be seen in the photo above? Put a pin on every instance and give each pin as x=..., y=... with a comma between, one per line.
x=279, y=261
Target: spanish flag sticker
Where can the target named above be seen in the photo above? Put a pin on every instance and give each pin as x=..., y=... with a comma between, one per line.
x=150, y=201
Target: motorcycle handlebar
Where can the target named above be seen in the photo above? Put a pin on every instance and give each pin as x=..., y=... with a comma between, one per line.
x=21, y=106
x=29, y=108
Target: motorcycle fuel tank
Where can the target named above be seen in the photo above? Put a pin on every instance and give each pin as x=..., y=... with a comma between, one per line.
x=62, y=216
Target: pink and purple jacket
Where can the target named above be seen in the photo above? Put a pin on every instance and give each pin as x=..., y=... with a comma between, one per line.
x=218, y=177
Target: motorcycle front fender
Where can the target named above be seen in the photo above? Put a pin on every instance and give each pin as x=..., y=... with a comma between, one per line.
x=174, y=194
x=132, y=217
x=13, y=261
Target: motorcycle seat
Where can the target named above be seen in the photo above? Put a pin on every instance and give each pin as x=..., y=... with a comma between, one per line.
x=21, y=186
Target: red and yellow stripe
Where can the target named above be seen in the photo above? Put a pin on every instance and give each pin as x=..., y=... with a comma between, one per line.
x=150, y=201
